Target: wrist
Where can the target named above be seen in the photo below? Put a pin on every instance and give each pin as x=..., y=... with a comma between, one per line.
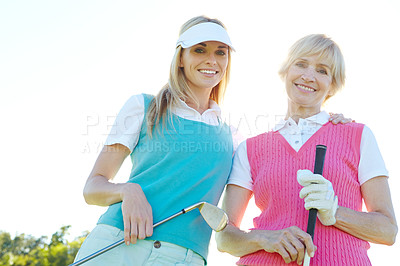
x=128, y=189
x=328, y=217
x=256, y=238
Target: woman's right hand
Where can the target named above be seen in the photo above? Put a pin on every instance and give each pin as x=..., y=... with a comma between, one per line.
x=291, y=243
x=136, y=212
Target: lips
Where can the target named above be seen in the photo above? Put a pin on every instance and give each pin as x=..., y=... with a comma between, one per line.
x=305, y=88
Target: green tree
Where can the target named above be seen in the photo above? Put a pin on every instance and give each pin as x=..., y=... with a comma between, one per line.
x=27, y=250
x=5, y=247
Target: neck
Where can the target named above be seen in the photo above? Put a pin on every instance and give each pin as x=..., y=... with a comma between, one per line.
x=203, y=99
x=296, y=112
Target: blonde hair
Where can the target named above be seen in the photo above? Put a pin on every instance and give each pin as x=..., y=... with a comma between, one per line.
x=177, y=88
x=323, y=47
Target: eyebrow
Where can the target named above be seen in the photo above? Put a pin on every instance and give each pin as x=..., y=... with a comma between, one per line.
x=221, y=46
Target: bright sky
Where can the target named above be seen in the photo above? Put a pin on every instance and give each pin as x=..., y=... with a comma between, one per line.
x=68, y=66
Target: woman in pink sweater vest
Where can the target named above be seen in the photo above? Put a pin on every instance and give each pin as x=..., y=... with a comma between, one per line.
x=273, y=166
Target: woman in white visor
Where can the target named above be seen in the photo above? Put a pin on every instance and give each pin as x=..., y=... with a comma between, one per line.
x=181, y=153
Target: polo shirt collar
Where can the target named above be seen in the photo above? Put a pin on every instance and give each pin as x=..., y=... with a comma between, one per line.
x=319, y=119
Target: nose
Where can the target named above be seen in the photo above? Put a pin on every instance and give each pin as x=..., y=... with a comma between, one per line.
x=308, y=75
x=211, y=59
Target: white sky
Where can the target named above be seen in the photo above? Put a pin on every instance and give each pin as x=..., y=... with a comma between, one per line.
x=66, y=68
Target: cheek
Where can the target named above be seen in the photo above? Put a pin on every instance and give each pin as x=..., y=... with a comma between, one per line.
x=327, y=83
x=292, y=74
x=185, y=58
x=223, y=64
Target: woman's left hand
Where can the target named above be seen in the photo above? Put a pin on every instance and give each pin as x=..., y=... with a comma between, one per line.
x=339, y=118
x=318, y=194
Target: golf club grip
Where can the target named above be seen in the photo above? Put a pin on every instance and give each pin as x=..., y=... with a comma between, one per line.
x=318, y=169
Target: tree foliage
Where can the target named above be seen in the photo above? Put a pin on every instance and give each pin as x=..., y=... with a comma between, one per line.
x=28, y=250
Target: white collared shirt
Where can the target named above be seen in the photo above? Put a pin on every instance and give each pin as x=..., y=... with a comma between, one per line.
x=128, y=123
x=371, y=162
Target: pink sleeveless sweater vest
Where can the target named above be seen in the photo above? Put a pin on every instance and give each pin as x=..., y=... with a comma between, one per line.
x=274, y=164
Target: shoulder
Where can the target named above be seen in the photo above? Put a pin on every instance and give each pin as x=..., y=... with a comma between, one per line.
x=138, y=102
x=133, y=104
x=135, y=100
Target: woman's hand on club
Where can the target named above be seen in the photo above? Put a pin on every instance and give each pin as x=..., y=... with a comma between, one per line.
x=318, y=193
x=291, y=243
x=137, y=214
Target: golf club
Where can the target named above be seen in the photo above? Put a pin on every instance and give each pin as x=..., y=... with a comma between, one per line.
x=312, y=215
x=214, y=217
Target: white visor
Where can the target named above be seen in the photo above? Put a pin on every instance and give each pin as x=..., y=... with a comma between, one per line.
x=204, y=32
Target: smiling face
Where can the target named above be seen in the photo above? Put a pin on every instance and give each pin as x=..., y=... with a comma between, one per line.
x=308, y=82
x=204, y=65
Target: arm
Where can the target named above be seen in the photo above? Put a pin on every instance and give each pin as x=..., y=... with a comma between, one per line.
x=98, y=189
x=232, y=239
x=136, y=211
x=378, y=225
x=287, y=242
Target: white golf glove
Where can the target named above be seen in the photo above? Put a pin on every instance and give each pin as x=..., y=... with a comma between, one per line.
x=318, y=194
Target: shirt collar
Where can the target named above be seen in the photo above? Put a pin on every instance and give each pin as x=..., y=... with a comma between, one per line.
x=320, y=119
x=185, y=109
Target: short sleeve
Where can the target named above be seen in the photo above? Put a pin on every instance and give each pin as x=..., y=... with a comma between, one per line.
x=237, y=137
x=371, y=162
x=240, y=173
x=128, y=123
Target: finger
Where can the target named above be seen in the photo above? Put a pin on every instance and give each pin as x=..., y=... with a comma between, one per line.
x=134, y=232
x=149, y=228
x=346, y=120
x=291, y=250
x=305, y=179
x=306, y=240
x=334, y=121
x=309, y=245
x=320, y=205
x=127, y=230
x=316, y=196
x=300, y=255
x=281, y=250
x=292, y=245
x=335, y=118
x=299, y=246
x=141, y=230
x=303, y=175
x=314, y=188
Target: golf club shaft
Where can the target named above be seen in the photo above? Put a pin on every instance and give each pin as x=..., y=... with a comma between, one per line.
x=312, y=215
x=119, y=242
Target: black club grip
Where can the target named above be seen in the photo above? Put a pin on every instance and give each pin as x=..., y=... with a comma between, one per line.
x=318, y=169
